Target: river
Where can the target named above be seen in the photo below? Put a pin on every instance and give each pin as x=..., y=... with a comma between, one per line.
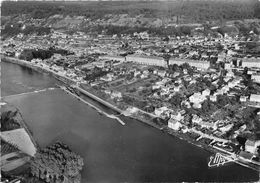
x=112, y=152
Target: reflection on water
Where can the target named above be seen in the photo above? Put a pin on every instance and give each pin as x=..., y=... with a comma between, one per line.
x=17, y=79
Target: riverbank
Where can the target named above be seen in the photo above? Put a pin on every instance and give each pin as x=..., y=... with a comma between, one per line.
x=185, y=137
x=38, y=68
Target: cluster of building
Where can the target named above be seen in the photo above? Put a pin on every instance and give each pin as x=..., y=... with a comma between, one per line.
x=135, y=66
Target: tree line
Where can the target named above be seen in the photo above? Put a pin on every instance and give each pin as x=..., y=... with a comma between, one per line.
x=29, y=54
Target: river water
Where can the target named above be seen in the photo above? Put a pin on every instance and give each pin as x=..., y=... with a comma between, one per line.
x=112, y=152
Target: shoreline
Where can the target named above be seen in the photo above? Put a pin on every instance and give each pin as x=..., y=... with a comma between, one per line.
x=181, y=136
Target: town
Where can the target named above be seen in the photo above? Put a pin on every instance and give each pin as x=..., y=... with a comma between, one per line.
x=203, y=88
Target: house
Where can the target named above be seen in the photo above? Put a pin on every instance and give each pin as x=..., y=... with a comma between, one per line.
x=158, y=111
x=241, y=129
x=143, y=76
x=186, y=103
x=243, y=98
x=226, y=128
x=185, y=71
x=206, y=92
x=165, y=91
x=193, y=81
x=56, y=56
x=178, y=116
x=204, y=56
x=94, y=83
x=225, y=89
x=227, y=66
x=177, y=88
x=197, y=105
x=237, y=47
x=155, y=71
x=154, y=87
x=146, y=72
x=175, y=74
x=208, y=125
x=221, y=57
x=256, y=78
x=250, y=72
x=116, y=94
x=136, y=73
x=254, y=98
x=197, y=98
x=250, y=146
x=161, y=73
x=250, y=62
x=187, y=78
x=196, y=119
x=174, y=124
x=226, y=79
x=108, y=92
x=106, y=78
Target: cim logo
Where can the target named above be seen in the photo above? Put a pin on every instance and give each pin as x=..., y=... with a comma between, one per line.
x=218, y=160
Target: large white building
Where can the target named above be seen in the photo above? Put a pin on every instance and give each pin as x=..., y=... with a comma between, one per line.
x=254, y=98
x=193, y=63
x=174, y=124
x=146, y=60
x=251, y=62
x=256, y=78
x=157, y=61
x=251, y=146
x=114, y=57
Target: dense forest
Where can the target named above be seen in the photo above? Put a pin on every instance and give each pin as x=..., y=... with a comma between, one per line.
x=192, y=11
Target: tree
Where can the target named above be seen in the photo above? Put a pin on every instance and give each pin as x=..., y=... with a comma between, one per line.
x=174, y=68
x=222, y=100
x=188, y=120
x=56, y=162
x=166, y=38
x=176, y=100
x=221, y=81
x=186, y=30
x=185, y=66
x=26, y=55
x=208, y=107
x=166, y=58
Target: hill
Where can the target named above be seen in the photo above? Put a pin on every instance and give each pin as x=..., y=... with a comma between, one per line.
x=187, y=11
x=121, y=16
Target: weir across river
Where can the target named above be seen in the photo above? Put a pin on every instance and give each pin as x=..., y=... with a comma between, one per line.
x=27, y=93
